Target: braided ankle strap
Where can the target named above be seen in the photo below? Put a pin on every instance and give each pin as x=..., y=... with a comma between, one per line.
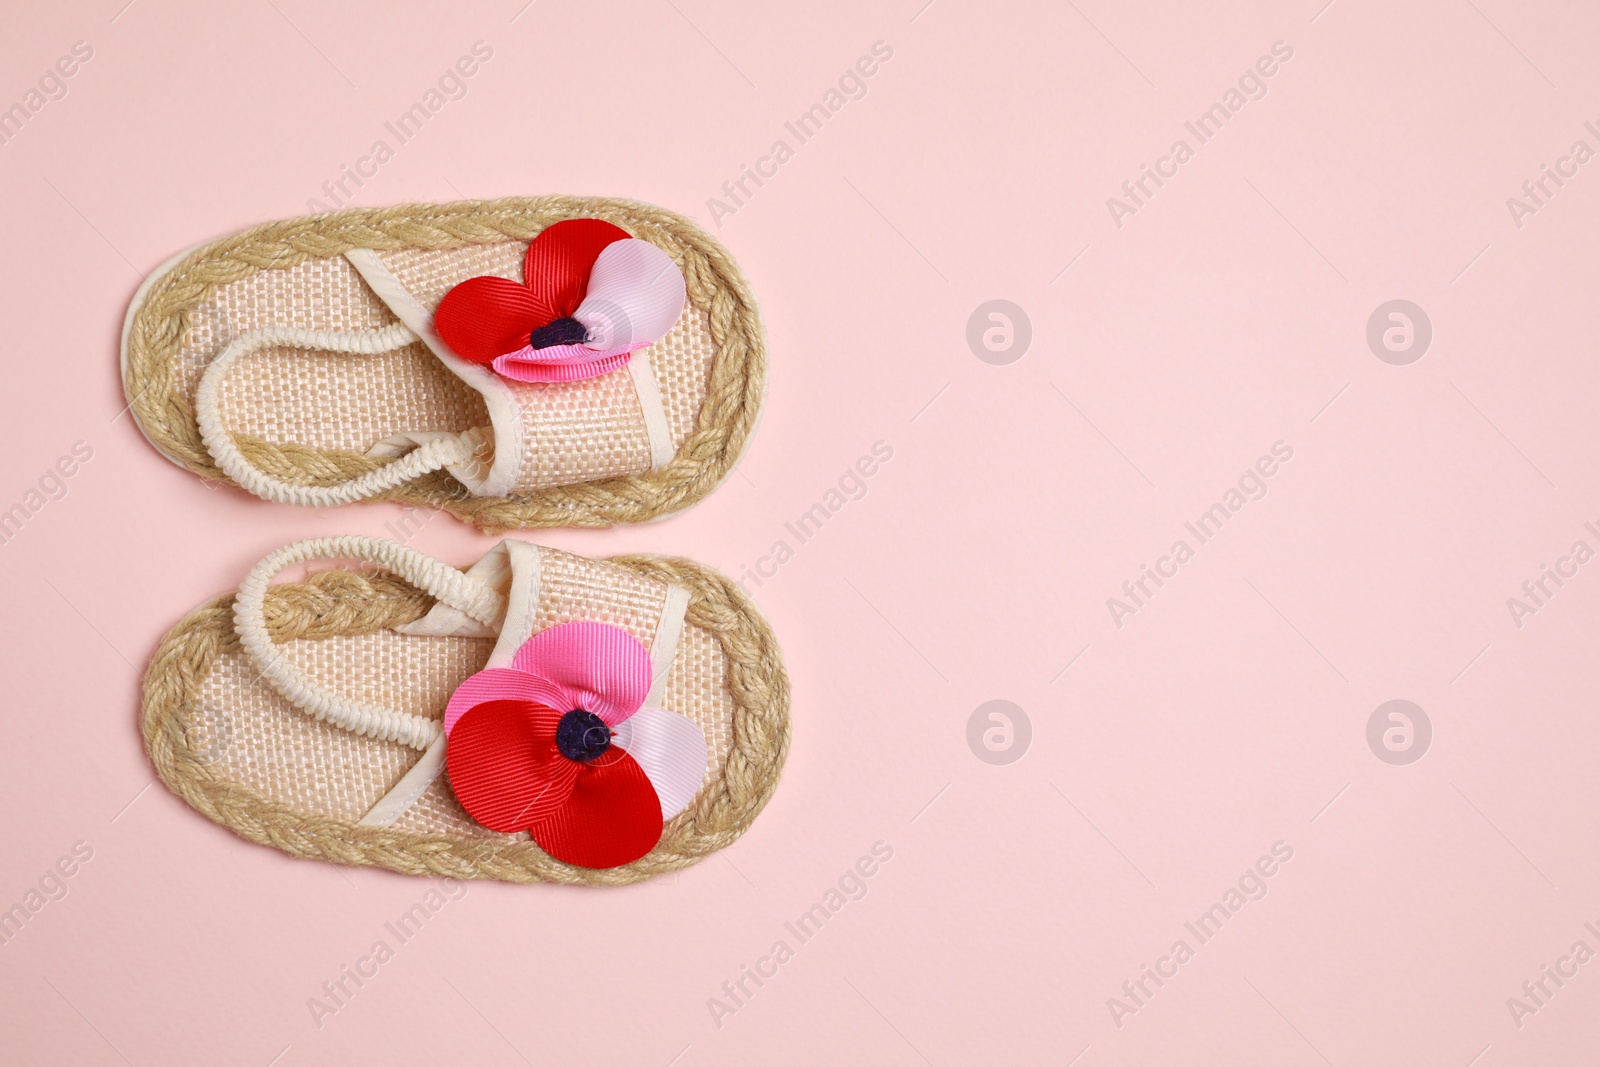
x=446, y=584
x=435, y=451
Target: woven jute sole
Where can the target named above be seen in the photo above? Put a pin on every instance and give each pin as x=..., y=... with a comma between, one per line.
x=727, y=417
x=343, y=603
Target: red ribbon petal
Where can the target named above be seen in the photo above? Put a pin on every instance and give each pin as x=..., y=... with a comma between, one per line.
x=505, y=767
x=558, y=265
x=611, y=815
x=486, y=317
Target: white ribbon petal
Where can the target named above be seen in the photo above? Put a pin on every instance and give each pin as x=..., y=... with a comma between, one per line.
x=635, y=294
x=671, y=749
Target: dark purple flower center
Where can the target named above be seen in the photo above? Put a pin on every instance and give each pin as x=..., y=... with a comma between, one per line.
x=582, y=736
x=559, y=332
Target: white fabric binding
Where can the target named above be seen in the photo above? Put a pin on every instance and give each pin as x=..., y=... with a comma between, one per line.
x=415, y=782
x=651, y=406
x=504, y=414
x=512, y=566
x=664, y=649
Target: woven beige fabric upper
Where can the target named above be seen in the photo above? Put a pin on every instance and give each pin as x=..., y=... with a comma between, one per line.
x=251, y=735
x=572, y=432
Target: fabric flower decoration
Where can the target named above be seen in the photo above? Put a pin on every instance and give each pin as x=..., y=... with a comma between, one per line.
x=591, y=296
x=557, y=744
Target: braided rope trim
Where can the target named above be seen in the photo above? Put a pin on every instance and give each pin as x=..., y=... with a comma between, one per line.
x=348, y=603
x=726, y=420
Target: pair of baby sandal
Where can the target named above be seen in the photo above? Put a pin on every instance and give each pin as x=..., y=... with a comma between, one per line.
x=539, y=716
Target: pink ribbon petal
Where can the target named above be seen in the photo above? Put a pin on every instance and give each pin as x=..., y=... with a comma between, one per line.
x=558, y=363
x=501, y=683
x=604, y=669
x=636, y=293
x=672, y=750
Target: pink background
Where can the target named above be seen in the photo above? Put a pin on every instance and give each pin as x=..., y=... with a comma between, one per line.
x=1167, y=754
